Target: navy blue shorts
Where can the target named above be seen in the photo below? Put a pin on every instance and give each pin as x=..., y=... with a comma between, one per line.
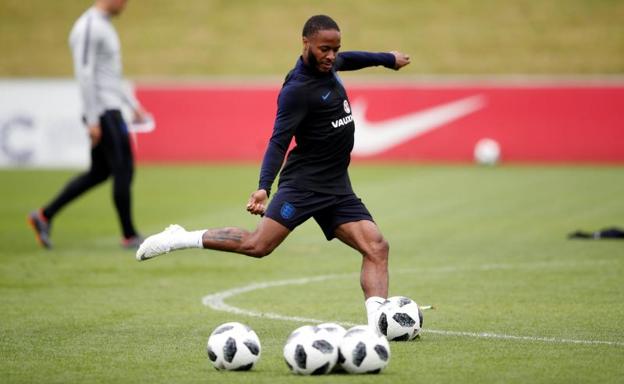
x=292, y=207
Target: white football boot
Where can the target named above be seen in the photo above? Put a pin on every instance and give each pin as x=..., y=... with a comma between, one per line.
x=160, y=243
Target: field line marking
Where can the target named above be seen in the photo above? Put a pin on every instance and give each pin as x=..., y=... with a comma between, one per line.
x=217, y=302
x=522, y=338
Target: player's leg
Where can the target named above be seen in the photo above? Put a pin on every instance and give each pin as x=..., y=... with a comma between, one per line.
x=258, y=243
x=288, y=209
x=267, y=236
x=119, y=155
x=366, y=238
x=98, y=172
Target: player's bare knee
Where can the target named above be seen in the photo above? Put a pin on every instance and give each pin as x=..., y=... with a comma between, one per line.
x=385, y=247
x=256, y=246
x=258, y=250
x=261, y=252
x=381, y=247
x=379, y=251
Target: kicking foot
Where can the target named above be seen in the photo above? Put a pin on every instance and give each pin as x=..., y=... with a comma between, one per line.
x=160, y=243
x=41, y=226
x=132, y=242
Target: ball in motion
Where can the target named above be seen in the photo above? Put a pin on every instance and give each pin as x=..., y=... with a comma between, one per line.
x=487, y=152
x=233, y=347
x=399, y=318
x=311, y=350
x=363, y=350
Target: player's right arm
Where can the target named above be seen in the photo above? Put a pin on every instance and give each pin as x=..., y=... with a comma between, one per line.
x=84, y=44
x=258, y=202
x=291, y=110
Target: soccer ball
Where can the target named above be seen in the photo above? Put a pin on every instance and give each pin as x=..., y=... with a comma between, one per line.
x=233, y=347
x=399, y=319
x=363, y=350
x=310, y=351
x=335, y=332
x=487, y=152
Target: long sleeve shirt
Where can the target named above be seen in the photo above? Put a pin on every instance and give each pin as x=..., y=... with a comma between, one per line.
x=96, y=53
x=313, y=107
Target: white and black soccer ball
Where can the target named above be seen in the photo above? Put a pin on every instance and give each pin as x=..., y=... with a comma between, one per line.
x=335, y=332
x=399, y=318
x=233, y=347
x=487, y=152
x=363, y=350
x=310, y=350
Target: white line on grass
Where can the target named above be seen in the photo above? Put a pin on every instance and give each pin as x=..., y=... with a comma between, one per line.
x=216, y=301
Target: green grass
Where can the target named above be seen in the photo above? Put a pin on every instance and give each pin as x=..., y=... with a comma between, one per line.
x=486, y=245
x=248, y=37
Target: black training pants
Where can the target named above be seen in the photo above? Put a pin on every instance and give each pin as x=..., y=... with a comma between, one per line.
x=111, y=156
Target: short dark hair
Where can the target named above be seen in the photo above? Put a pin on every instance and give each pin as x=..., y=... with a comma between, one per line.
x=318, y=23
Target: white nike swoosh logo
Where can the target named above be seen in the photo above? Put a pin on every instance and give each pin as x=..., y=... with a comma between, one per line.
x=373, y=138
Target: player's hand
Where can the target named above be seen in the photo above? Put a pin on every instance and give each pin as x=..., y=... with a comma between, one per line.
x=95, y=133
x=139, y=115
x=401, y=59
x=257, y=202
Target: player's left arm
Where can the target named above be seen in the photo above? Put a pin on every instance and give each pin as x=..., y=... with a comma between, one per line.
x=400, y=59
x=354, y=60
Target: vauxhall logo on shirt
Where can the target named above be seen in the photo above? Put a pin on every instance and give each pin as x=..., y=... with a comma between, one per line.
x=345, y=120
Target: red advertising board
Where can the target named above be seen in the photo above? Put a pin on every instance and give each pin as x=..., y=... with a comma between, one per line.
x=541, y=123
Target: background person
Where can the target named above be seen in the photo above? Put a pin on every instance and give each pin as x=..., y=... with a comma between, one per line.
x=96, y=52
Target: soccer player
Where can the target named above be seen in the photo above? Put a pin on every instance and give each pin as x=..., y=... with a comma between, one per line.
x=313, y=107
x=96, y=54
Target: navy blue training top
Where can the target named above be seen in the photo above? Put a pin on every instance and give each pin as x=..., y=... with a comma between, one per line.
x=314, y=108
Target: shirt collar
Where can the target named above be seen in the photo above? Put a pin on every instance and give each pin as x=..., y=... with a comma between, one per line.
x=95, y=10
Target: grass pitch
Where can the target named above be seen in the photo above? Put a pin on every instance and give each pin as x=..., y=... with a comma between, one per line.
x=486, y=245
